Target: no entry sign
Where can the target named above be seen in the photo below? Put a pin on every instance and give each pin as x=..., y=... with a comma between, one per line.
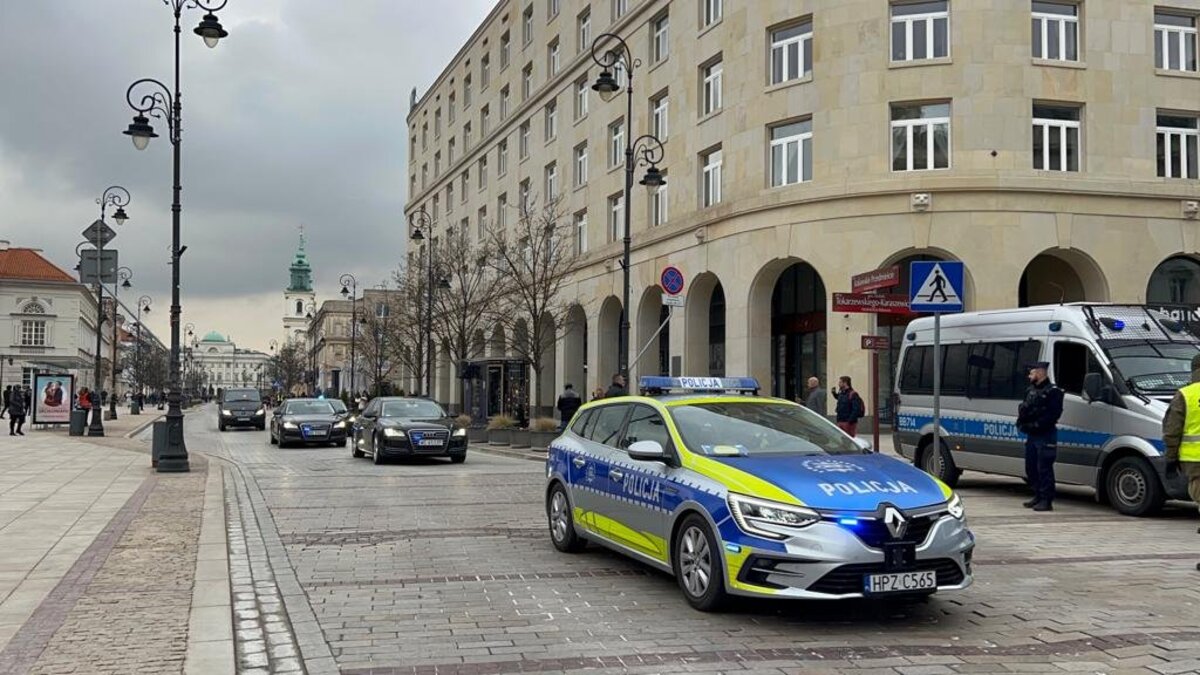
x=671, y=280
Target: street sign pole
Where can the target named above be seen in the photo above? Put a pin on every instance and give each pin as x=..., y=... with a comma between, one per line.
x=937, y=380
x=936, y=287
x=875, y=395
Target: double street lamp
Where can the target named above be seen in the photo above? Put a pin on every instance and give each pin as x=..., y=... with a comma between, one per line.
x=162, y=103
x=350, y=292
x=119, y=197
x=646, y=149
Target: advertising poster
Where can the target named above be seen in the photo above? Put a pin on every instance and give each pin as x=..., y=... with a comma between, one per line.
x=52, y=396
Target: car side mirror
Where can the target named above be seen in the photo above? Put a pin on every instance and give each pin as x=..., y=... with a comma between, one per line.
x=1093, y=387
x=646, y=451
x=864, y=445
x=277, y=412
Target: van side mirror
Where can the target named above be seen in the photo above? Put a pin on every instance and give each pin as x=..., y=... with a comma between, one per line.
x=1093, y=386
x=646, y=451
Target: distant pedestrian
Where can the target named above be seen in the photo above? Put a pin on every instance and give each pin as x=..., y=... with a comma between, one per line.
x=850, y=407
x=16, y=415
x=28, y=394
x=1037, y=418
x=4, y=403
x=598, y=393
x=617, y=388
x=815, y=399
x=568, y=404
x=85, y=399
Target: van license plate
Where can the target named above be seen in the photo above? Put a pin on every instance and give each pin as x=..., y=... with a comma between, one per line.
x=901, y=582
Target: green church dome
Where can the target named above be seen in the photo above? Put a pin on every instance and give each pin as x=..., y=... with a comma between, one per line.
x=213, y=336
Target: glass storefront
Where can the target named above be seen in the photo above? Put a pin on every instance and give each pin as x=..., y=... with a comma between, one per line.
x=798, y=331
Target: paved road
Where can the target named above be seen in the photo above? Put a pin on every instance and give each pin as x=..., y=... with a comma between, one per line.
x=402, y=566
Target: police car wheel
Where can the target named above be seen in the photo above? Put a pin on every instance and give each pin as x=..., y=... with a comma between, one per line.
x=562, y=524
x=698, y=567
x=1133, y=487
x=938, y=463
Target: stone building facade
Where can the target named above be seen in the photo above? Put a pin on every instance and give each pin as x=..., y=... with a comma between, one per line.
x=1050, y=146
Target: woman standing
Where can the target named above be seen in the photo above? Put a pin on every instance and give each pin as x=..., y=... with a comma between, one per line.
x=16, y=415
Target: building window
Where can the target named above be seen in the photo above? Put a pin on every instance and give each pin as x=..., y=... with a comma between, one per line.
x=551, y=112
x=502, y=211
x=658, y=204
x=424, y=135
x=436, y=202
x=466, y=91
x=485, y=71
x=485, y=115
x=552, y=60
x=658, y=116
x=505, y=44
x=791, y=52
x=920, y=136
x=450, y=147
x=1055, y=138
x=616, y=143
x=33, y=333
x=424, y=176
x=619, y=7
x=523, y=140
x=791, y=153
x=711, y=12
x=552, y=7
x=450, y=197
x=526, y=81
x=1055, y=34
x=1178, y=137
x=581, y=165
x=583, y=30
x=659, y=38
x=481, y=223
x=920, y=30
x=504, y=102
x=523, y=196
x=437, y=164
x=481, y=179
x=616, y=217
x=437, y=123
x=527, y=26
x=711, y=86
x=502, y=157
x=464, y=182
x=412, y=184
x=581, y=232
x=551, y=174
x=1174, y=41
x=450, y=107
x=581, y=97
x=710, y=178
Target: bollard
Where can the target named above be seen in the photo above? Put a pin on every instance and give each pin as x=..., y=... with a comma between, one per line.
x=79, y=422
x=159, y=442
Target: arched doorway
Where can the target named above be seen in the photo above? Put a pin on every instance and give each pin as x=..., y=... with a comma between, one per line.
x=652, y=345
x=704, y=327
x=1175, y=285
x=609, y=332
x=798, y=329
x=1061, y=275
x=574, y=337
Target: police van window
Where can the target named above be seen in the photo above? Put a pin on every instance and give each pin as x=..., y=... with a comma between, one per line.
x=607, y=425
x=954, y=370
x=995, y=370
x=1072, y=361
x=917, y=364
x=581, y=422
x=645, y=424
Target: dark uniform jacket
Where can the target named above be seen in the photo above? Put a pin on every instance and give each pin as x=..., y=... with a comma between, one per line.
x=568, y=403
x=1038, y=414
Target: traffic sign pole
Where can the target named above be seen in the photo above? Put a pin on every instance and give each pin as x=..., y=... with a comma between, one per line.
x=937, y=381
x=936, y=287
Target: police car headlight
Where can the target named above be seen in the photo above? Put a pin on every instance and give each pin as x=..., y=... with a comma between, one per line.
x=766, y=518
x=955, y=507
x=460, y=432
x=392, y=432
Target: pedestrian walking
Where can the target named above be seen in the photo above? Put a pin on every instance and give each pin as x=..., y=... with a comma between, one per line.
x=850, y=407
x=16, y=414
x=568, y=403
x=4, y=402
x=617, y=388
x=85, y=399
x=814, y=398
x=1181, y=434
x=1037, y=418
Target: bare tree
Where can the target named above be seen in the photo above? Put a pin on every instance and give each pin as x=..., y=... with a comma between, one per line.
x=380, y=336
x=408, y=333
x=288, y=366
x=145, y=364
x=533, y=261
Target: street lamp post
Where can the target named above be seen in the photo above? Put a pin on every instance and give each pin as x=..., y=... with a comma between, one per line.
x=124, y=274
x=646, y=149
x=421, y=218
x=118, y=197
x=189, y=331
x=350, y=290
x=310, y=311
x=161, y=103
x=143, y=305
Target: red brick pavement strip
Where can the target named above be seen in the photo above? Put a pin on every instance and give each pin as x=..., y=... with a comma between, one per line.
x=27, y=645
x=794, y=654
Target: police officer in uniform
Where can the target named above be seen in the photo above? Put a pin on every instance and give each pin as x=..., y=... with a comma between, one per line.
x=1181, y=434
x=1037, y=418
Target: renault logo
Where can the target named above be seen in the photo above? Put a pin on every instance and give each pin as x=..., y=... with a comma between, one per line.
x=897, y=523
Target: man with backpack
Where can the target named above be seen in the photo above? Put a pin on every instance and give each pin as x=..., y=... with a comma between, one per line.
x=850, y=407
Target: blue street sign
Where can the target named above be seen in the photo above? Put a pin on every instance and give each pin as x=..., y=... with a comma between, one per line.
x=672, y=280
x=936, y=286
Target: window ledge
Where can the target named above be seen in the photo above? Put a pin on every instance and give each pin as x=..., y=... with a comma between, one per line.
x=579, y=120
x=614, y=167
x=789, y=83
x=551, y=139
x=658, y=64
x=577, y=188
x=709, y=116
x=1056, y=63
x=1177, y=73
x=707, y=29
x=943, y=61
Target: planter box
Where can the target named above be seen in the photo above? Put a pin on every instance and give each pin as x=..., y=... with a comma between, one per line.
x=499, y=436
x=520, y=438
x=477, y=435
x=542, y=439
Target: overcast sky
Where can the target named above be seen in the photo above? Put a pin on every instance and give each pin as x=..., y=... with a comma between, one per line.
x=296, y=118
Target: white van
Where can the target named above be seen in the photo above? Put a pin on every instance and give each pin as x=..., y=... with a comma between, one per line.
x=1118, y=365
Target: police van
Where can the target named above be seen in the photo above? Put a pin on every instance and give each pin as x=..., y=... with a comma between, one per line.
x=1118, y=366
x=733, y=493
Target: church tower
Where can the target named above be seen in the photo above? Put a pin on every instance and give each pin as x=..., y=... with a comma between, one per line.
x=298, y=296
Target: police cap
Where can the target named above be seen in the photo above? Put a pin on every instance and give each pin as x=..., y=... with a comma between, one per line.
x=1044, y=365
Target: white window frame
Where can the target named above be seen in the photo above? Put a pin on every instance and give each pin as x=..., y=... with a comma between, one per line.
x=619, y=9
x=931, y=123
x=660, y=109
x=481, y=169
x=658, y=204
x=801, y=67
x=551, y=176
x=581, y=164
x=616, y=217
x=616, y=143
x=505, y=47
x=1046, y=19
x=1164, y=33
x=502, y=210
x=449, y=197
x=581, y=98
x=464, y=184
x=485, y=71
x=524, y=192
x=1188, y=162
x=467, y=91
x=437, y=124
x=553, y=61
x=1047, y=126
x=34, y=333
x=581, y=225
x=450, y=147
x=504, y=95
x=502, y=157
x=660, y=39
x=551, y=112
x=908, y=20
x=481, y=222
x=802, y=143
x=711, y=11
x=710, y=177
x=485, y=119
x=552, y=8
x=583, y=30
x=711, y=76
x=527, y=82
x=527, y=26
x=523, y=134
x=450, y=107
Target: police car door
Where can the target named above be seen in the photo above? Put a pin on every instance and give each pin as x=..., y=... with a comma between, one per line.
x=589, y=468
x=640, y=490
x=1085, y=425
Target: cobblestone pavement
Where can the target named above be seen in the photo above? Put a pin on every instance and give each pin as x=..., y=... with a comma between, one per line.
x=432, y=567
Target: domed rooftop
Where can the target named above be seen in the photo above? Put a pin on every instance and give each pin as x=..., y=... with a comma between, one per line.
x=213, y=336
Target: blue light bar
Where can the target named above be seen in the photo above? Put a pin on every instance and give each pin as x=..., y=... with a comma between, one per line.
x=659, y=383
x=849, y=522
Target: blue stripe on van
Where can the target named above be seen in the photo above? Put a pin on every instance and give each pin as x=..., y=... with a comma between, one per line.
x=1007, y=431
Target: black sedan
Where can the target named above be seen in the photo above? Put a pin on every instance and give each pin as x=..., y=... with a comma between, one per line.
x=305, y=421
x=240, y=408
x=408, y=427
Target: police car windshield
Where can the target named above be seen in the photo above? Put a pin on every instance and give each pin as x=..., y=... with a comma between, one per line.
x=1155, y=367
x=747, y=429
x=413, y=409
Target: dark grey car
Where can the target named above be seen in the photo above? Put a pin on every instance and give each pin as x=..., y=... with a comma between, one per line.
x=407, y=427
x=241, y=408
x=306, y=421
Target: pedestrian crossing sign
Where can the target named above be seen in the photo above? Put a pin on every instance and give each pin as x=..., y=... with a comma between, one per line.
x=935, y=286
